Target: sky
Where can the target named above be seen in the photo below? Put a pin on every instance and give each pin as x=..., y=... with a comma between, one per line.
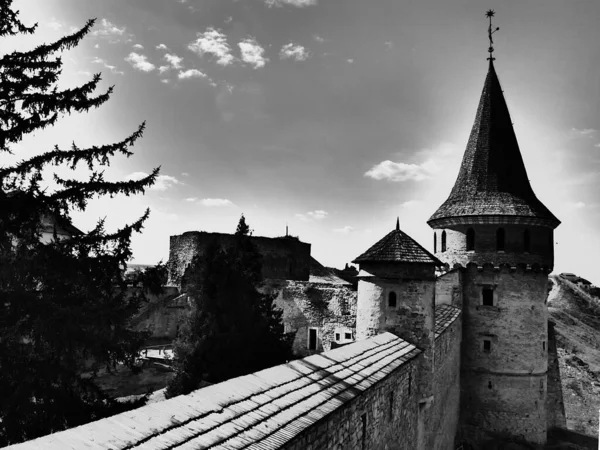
x=331, y=116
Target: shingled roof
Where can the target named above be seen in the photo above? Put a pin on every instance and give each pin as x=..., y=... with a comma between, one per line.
x=262, y=410
x=492, y=179
x=397, y=246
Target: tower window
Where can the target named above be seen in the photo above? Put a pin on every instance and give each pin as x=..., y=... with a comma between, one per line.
x=487, y=296
x=500, y=239
x=391, y=405
x=444, y=241
x=347, y=335
x=312, y=338
x=470, y=239
x=392, y=299
x=363, y=419
x=490, y=385
x=337, y=336
x=487, y=346
x=526, y=241
x=544, y=345
x=434, y=242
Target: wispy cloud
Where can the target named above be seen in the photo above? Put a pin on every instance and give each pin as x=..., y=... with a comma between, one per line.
x=163, y=182
x=597, y=145
x=162, y=47
x=110, y=67
x=214, y=43
x=174, y=60
x=410, y=204
x=165, y=80
x=138, y=46
x=393, y=171
x=140, y=62
x=318, y=38
x=54, y=24
x=297, y=3
x=388, y=45
x=109, y=31
x=252, y=53
x=350, y=60
x=228, y=20
x=216, y=202
x=584, y=131
x=163, y=69
x=191, y=199
x=294, y=51
x=317, y=214
x=190, y=73
x=579, y=205
x=344, y=230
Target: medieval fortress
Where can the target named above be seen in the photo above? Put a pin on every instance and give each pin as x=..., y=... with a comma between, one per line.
x=431, y=351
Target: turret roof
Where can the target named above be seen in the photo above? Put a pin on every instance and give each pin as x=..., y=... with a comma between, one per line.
x=492, y=179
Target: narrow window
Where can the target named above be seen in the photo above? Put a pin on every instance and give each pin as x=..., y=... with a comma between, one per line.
x=470, y=239
x=347, y=335
x=312, y=338
x=337, y=336
x=392, y=299
x=544, y=345
x=489, y=384
x=444, y=241
x=541, y=385
x=487, y=346
x=526, y=241
x=434, y=242
x=409, y=382
x=487, y=294
x=500, y=239
x=363, y=419
x=391, y=405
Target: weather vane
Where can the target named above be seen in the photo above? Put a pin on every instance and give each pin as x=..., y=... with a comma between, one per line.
x=490, y=13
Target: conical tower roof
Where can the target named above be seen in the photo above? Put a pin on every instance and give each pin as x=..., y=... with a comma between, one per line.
x=492, y=180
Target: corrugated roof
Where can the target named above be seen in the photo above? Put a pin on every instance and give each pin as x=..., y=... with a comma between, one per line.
x=397, y=246
x=261, y=410
x=445, y=315
x=492, y=179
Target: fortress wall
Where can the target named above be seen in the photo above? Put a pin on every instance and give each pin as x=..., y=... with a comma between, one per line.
x=395, y=429
x=555, y=406
x=448, y=289
x=283, y=258
x=323, y=306
x=444, y=412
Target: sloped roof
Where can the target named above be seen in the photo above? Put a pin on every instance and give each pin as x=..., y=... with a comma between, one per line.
x=492, y=179
x=397, y=246
x=265, y=409
x=445, y=315
x=324, y=275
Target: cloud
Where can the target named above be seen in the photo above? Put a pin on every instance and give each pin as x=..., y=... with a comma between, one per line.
x=344, y=230
x=216, y=202
x=589, y=132
x=392, y=171
x=410, y=204
x=165, y=80
x=317, y=214
x=163, y=182
x=213, y=42
x=252, y=53
x=350, y=60
x=297, y=3
x=597, y=145
x=112, y=68
x=162, y=47
x=140, y=62
x=138, y=46
x=54, y=24
x=85, y=73
x=388, y=45
x=318, y=38
x=163, y=69
x=579, y=205
x=174, y=60
x=297, y=52
x=228, y=20
x=191, y=73
x=191, y=199
x=185, y=174
x=108, y=30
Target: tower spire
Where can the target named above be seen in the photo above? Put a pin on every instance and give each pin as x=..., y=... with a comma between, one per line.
x=397, y=223
x=490, y=13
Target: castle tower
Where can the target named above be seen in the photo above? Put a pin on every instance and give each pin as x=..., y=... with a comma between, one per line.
x=396, y=293
x=493, y=226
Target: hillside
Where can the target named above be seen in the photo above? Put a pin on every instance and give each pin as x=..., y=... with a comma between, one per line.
x=577, y=318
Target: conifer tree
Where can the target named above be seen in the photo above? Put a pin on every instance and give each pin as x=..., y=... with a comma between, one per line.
x=63, y=312
x=233, y=328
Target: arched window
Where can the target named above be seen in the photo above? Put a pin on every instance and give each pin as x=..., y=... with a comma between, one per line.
x=526, y=241
x=500, y=239
x=434, y=243
x=444, y=241
x=392, y=299
x=470, y=239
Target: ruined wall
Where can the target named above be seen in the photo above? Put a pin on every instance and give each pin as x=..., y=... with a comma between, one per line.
x=442, y=423
x=555, y=406
x=283, y=258
x=384, y=428
x=311, y=305
x=448, y=288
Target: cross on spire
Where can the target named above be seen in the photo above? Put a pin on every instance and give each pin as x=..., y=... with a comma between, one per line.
x=490, y=13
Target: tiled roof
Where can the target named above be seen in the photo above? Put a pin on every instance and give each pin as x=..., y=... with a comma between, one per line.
x=445, y=315
x=492, y=179
x=397, y=246
x=263, y=410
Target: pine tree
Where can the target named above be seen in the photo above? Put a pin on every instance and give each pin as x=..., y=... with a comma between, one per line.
x=63, y=312
x=242, y=228
x=233, y=328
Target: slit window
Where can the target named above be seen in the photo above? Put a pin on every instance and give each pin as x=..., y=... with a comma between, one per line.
x=391, y=405
x=544, y=345
x=500, y=239
x=363, y=419
x=444, y=241
x=487, y=345
x=312, y=338
x=526, y=241
x=487, y=296
x=470, y=239
x=434, y=243
x=392, y=299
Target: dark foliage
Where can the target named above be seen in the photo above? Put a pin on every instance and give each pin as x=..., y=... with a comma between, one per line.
x=233, y=328
x=63, y=312
x=151, y=279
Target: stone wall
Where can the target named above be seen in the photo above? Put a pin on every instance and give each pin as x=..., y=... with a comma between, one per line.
x=283, y=258
x=555, y=406
x=367, y=422
x=305, y=305
x=448, y=288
